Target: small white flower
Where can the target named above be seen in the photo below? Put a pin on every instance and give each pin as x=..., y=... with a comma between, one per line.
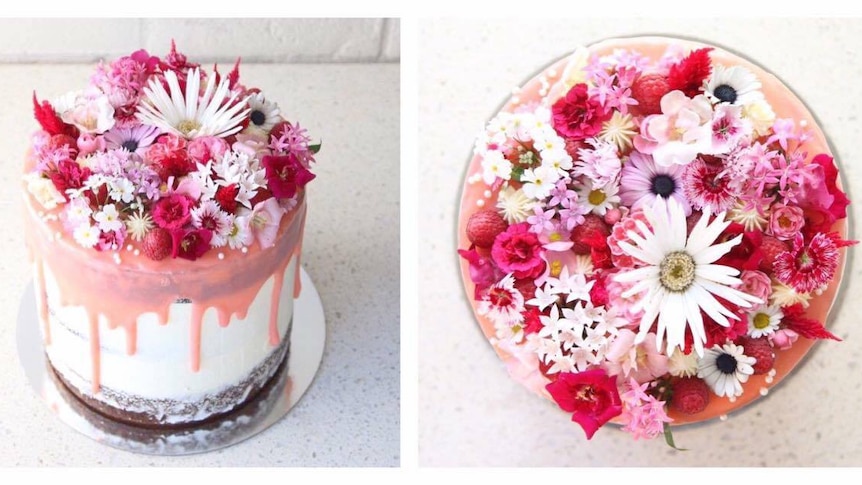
x=543, y=298
x=121, y=190
x=764, y=321
x=210, y=216
x=495, y=166
x=86, y=235
x=725, y=368
x=574, y=286
x=240, y=234
x=558, y=159
x=539, y=182
x=761, y=115
x=78, y=211
x=108, y=218
x=243, y=171
x=203, y=179
x=43, y=190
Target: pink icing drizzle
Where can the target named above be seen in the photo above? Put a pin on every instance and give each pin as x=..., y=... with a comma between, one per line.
x=139, y=285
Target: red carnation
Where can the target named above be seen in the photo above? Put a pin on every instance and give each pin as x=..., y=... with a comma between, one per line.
x=226, y=197
x=689, y=74
x=519, y=251
x=69, y=175
x=745, y=255
x=285, y=174
x=172, y=212
x=532, y=320
x=578, y=116
x=591, y=395
x=191, y=244
x=824, y=203
x=169, y=157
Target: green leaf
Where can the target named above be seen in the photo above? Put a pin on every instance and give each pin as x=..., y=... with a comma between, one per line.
x=668, y=438
x=517, y=172
x=315, y=148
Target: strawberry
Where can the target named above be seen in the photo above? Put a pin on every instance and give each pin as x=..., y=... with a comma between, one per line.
x=760, y=349
x=690, y=395
x=484, y=226
x=648, y=91
x=593, y=233
x=157, y=244
x=771, y=247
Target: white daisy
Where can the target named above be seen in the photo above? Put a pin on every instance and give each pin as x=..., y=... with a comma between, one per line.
x=596, y=200
x=725, y=368
x=680, y=278
x=764, y=321
x=734, y=85
x=514, y=206
x=263, y=114
x=187, y=113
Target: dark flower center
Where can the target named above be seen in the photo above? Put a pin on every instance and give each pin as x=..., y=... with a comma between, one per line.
x=663, y=185
x=258, y=117
x=726, y=363
x=725, y=93
x=130, y=145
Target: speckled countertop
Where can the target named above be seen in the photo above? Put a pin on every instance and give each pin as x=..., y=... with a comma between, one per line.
x=350, y=415
x=470, y=412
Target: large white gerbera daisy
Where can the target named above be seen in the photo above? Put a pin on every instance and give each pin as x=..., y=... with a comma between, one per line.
x=680, y=278
x=190, y=114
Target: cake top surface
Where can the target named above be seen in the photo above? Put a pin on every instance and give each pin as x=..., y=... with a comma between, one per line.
x=159, y=157
x=651, y=232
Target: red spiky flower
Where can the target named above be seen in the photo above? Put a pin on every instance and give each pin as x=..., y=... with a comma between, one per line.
x=50, y=121
x=689, y=74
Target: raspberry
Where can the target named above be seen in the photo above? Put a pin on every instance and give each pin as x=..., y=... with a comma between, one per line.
x=484, y=226
x=648, y=91
x=760, y=349
x=771, y=248
x=157, y=244
x=593, y=233
x=690, y=395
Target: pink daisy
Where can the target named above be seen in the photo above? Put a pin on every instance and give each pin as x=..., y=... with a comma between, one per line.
x=707, y=185
x=808, y=267
x=643, y=181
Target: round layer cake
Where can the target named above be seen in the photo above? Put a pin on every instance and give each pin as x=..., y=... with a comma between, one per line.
x=165, y=209
x=651, y=233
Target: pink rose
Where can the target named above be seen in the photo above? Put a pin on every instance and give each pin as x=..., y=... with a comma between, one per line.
x=519, y=251
x=783, y=339
x=207, y=148
x=88, y=143
x=786, y=221
x=756, y=283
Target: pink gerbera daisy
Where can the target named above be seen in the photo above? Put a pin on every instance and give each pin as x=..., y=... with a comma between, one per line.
x=707, y=186
x=808, y=267
x=643, y=181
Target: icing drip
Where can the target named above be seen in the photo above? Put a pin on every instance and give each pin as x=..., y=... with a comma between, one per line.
x=42, y=296
x=95, y=350
x=195, y=336
x=275, y=299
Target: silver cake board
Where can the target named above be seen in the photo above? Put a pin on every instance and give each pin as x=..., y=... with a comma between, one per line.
x=306, y=351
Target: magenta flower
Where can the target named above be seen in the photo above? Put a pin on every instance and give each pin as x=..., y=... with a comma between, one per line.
x=191, y=244
x=591, y=396
x=285, y=174
x=577, y=116
x=111, y=240
x=264, y=221
x=518, y=251
x=483, y=272
x=172, y=212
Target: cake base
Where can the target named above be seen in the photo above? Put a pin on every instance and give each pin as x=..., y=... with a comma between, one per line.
x=273, y=401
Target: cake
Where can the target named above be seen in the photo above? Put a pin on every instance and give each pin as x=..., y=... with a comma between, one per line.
x=652, y=232
x=165, y=208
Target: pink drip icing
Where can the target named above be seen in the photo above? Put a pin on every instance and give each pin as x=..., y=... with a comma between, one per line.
x=95, y=350
x=131, y=338
x=297, y=253
x=274, y=302
x=195, y=336
x=43, y=302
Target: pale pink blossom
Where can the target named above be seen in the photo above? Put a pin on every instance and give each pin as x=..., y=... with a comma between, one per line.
x=680, y=133
x=264, y=221
x=642, y=362
x=783, y=339
x=756, y=283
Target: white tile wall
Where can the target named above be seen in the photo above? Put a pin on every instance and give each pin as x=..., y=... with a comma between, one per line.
x=315, y=40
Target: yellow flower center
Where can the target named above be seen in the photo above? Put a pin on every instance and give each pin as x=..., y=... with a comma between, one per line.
x=596, y=197
x=761, y=321
x=556, y=268
x=186, y=126
x=676, y=271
